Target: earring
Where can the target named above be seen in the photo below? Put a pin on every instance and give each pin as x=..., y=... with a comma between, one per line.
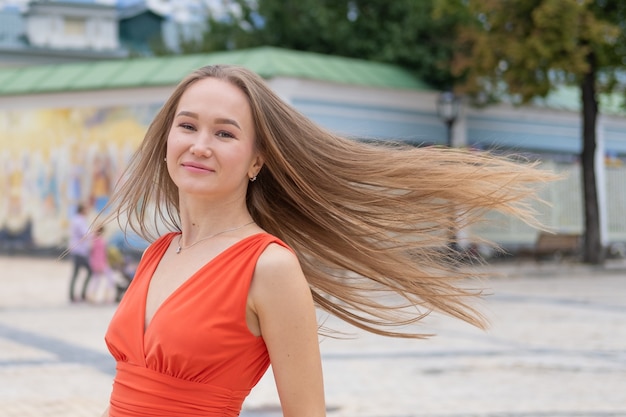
x=253, y=179
x=165, y=159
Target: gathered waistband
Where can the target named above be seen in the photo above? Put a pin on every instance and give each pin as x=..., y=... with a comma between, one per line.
x=139, y=391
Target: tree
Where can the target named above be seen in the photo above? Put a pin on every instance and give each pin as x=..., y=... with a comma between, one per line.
x=523, y=49
x=400, y=32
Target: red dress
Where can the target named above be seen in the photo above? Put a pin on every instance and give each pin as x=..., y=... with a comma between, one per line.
x=197, y=357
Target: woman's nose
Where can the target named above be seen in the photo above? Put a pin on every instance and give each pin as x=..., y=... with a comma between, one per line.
x=201, y=147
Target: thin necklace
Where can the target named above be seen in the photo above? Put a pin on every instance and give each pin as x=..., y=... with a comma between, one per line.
x=208, y=237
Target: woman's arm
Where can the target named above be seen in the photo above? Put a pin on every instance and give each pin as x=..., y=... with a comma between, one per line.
x=281, y=300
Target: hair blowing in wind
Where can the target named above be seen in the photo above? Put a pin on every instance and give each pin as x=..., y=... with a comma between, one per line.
x=369, y=222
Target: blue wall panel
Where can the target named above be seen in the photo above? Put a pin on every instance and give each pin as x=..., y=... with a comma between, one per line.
x=524, y=134
x=374, y=122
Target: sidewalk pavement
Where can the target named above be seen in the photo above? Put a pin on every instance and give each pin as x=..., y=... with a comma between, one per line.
x=556, y=348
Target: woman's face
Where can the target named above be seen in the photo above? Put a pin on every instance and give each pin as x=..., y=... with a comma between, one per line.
x=211, y=143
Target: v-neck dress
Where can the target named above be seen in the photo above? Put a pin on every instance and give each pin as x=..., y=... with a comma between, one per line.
x=197, y=356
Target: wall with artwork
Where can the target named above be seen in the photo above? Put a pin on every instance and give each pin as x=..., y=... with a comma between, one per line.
x=52, y=159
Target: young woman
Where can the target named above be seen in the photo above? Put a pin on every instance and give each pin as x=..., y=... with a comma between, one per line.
x=269, y=217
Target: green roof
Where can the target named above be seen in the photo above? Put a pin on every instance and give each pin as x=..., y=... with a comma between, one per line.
x=269, y=62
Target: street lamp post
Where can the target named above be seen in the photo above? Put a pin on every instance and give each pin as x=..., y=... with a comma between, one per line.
x=448, y=111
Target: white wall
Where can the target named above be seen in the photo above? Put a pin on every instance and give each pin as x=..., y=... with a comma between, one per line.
x=359, y=111
x=72, y=28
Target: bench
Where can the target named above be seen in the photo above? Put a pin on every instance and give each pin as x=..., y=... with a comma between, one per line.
x=557, y=245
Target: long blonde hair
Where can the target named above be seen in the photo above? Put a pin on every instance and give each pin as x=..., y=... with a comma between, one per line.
x=366, y=220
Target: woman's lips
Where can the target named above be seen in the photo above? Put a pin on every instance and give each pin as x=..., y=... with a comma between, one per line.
x=193, y=167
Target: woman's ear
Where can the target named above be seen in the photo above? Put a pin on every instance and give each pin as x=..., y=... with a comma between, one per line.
x=255, y=167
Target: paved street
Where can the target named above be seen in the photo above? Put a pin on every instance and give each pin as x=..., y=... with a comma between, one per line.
x=556, y=348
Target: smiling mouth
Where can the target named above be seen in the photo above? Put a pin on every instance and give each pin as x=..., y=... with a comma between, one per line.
x=195, y=167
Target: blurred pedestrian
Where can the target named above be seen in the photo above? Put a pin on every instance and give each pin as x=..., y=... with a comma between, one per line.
x=79, y=248
x=102, y=280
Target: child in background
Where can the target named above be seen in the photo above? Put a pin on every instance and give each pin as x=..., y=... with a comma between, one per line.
x=98, y=259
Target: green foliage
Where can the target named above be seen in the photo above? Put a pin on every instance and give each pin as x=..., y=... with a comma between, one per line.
x=611, y=51
x=402, y=32
x=486, y=48
x=526, y=48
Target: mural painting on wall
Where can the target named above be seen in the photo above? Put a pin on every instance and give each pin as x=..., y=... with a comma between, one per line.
x=53, y=159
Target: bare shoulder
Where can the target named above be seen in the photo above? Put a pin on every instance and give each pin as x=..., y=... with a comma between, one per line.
x=279, y=292
x=278, y=277
x=276, y=264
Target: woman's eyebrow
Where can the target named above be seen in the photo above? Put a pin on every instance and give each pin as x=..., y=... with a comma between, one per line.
x=219, y=120
x=188, y=114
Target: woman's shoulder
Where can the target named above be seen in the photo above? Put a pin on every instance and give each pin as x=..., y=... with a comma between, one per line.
x=277, y=251
x=278, y=280
x=277, y=261
x=268, y=239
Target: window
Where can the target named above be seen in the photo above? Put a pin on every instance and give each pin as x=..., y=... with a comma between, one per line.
x=74, y=26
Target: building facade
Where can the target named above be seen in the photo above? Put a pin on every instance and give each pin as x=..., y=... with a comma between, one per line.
x=67, y=132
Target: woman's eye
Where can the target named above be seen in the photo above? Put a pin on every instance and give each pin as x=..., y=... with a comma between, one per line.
x=224, y=134
x=187, y=126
